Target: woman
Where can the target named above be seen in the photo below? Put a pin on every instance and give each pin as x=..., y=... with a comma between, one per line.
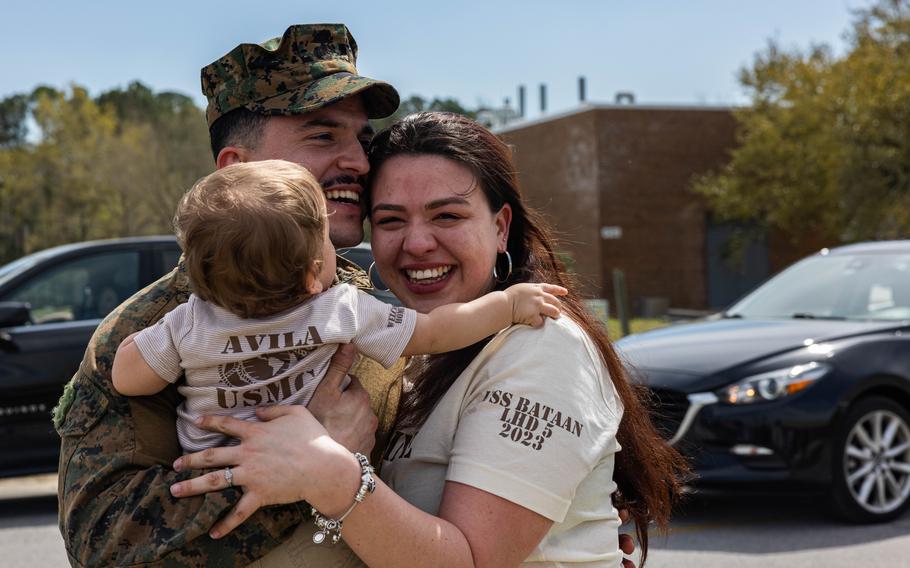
x=505, y=451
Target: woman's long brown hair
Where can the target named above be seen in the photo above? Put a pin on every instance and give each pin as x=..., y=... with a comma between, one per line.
x=648, y=471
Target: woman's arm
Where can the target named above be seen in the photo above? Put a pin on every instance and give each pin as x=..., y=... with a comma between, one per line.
x=475, y=528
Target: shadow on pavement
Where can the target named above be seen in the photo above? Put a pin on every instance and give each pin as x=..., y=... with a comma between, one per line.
x=767, y=522
x=28, y=512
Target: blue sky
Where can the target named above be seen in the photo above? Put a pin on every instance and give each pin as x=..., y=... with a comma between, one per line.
x=665, y=51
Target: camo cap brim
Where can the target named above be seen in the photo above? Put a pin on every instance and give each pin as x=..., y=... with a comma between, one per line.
x=309, y=67
x=379, y=98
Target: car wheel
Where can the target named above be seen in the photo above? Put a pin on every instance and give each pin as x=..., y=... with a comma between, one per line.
x=872, y=462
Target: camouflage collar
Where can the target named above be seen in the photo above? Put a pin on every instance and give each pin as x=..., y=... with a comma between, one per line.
x=347, y=272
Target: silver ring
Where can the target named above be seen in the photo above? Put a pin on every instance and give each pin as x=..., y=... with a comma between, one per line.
x=229, y=476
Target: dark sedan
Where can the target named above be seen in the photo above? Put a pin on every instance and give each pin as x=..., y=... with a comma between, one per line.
x=50, y=303
x=805, y=379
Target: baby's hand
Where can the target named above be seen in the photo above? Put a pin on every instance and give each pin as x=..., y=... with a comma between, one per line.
x=532, y=302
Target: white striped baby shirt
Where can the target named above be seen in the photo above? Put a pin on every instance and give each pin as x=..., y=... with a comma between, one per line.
x=234, y=365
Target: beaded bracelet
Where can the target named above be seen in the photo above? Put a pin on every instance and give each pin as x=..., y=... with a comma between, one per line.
x=333, y=526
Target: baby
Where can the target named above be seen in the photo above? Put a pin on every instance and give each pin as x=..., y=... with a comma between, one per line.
x=264, y=319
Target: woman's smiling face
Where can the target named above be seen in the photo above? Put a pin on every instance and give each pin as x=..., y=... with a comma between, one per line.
x=434, y=237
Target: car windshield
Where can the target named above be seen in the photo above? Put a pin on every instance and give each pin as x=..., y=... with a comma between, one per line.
x=835, y=286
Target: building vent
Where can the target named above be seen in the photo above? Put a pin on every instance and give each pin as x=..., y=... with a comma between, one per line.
x=625, y=97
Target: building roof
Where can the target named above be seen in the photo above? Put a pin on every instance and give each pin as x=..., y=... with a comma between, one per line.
x=587, y=107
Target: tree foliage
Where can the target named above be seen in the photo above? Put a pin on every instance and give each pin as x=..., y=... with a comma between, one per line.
x=94, y=168
x=13, y=111
x=824, y=148
x=73, y=167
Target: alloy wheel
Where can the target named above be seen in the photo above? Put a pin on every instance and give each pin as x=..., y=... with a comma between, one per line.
x=877, y=461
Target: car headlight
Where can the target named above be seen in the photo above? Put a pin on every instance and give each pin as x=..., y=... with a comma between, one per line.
x=773, y=385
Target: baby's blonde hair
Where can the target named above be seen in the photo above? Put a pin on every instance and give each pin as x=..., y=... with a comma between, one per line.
x=251, y=233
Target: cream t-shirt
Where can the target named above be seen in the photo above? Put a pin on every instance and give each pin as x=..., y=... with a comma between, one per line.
x=533, y=420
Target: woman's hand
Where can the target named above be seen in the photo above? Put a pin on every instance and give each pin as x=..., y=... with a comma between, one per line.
x=271, y=460
x=287, y=457
x=345, y=412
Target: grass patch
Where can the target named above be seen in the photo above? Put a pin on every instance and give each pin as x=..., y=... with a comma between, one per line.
x=636, y=325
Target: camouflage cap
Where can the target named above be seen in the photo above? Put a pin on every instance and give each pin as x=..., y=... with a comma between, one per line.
x=309, y=67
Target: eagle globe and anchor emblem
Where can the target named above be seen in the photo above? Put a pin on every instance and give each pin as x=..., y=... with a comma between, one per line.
x=261, y=369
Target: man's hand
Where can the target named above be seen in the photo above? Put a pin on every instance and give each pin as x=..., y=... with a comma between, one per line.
x=345, y=413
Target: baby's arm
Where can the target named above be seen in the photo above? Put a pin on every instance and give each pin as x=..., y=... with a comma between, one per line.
x=454, y=326
x=132, y=375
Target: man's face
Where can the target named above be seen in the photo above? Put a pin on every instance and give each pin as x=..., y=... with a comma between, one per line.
x=330, y=142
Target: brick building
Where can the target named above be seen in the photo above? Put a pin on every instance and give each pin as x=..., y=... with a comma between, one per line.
x=615, y=181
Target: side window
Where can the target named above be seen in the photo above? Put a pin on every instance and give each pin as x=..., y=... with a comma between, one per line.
x=80, y=289
x=169, y=258
x=885, y=289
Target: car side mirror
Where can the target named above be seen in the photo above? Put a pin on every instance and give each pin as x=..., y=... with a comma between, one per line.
x=13, y=314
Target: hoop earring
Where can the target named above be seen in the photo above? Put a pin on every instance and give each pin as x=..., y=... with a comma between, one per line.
x=370, y=278
x=496, y=272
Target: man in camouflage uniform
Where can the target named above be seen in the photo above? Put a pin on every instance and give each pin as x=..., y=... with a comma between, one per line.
x=298, y=99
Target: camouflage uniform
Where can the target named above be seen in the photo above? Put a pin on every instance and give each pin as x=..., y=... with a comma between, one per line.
x=116, y=455
x=116, y=452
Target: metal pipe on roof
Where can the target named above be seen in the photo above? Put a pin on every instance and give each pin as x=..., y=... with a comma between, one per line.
x=625, y=97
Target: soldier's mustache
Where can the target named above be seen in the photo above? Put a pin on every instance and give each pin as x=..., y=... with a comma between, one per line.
x=342, y=180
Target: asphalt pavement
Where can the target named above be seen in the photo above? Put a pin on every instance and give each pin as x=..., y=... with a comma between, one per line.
x=29, y=537
x=712, y=530
x=775, y=529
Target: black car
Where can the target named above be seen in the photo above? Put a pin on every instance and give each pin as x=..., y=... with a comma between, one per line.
x=50, y=303
x=806, y=379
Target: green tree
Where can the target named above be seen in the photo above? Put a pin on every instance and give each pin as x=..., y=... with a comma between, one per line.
x=111, y=166
x=176, y=150
x=13, y=112
x=76, y=199
x=49, y=190
x=96, y=168
x=824, y=148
